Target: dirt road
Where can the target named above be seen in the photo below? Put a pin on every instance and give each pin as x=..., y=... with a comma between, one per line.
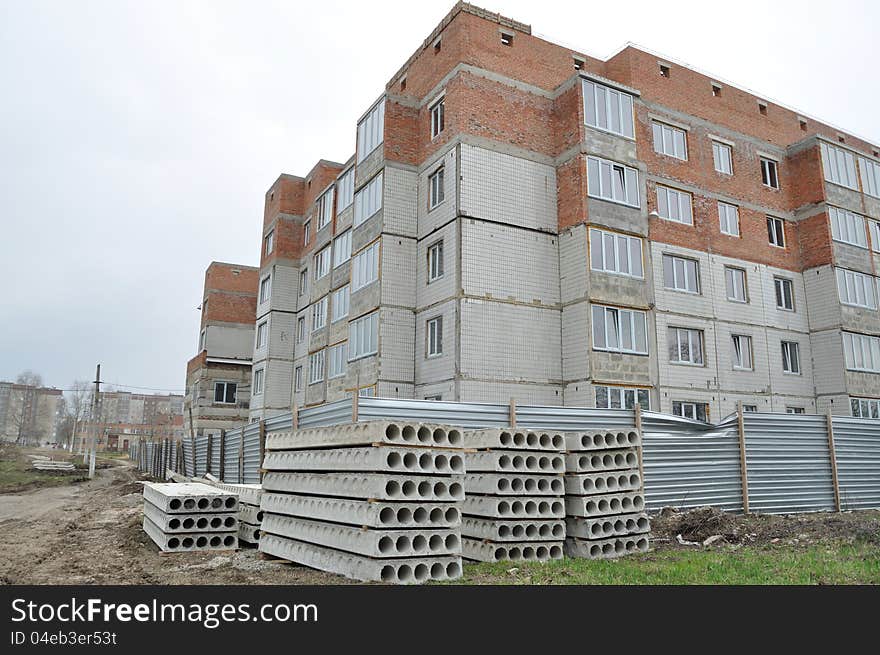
x=90, y=533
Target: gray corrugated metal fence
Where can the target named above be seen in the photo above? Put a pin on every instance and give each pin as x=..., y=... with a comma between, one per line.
x=686, y=463
x=857, y=445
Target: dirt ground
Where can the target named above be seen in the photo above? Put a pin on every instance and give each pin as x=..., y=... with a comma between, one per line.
x=90, y=533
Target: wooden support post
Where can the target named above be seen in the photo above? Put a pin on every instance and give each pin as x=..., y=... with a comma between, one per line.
x=512, y=413
x=354, y=406
x=241, y=455
x=262, y=448
x=294, y=417
x=743, y=467
x=222, y=455
x=832, y=453
x=637, y=410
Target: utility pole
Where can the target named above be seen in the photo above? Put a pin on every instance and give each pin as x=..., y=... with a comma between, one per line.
x=95, y=411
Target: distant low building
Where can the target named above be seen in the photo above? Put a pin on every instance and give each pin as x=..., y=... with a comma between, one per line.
x=124, y=417
x=218, y=378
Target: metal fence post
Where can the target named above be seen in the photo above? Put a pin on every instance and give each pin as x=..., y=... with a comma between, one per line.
x=241, y=455
x=208, y=458
x=512, y=413
x=743, y=467
x=832, y=454
x=641, y=451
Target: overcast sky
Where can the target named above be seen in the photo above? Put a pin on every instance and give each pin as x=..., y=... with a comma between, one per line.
x=137, y=138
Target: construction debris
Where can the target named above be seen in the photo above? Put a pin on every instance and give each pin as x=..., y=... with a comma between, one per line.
x=190, y=516
x=513, y=508
x=604, y=499
x=371, y=501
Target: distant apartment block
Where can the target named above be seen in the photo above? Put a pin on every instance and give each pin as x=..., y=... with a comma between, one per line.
x=123, y=416
x=520, y=220
x=28, y=414
x=218, y=378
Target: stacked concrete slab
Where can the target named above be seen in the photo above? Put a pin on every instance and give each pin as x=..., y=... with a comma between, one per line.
x=604, y=497
x=190, y=516
x=371, y=501
x=250, y=516
x=514, y=495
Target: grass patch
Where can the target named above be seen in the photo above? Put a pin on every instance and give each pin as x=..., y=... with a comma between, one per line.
x=857, y=562
x=17, y=474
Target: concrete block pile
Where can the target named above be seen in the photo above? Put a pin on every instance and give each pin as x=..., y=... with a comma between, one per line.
x=604, y=498
x=514, y=495
x=250, y=516
x=371, y=501
x=190, y=516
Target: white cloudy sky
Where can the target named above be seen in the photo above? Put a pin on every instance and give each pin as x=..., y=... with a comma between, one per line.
x=137, y=138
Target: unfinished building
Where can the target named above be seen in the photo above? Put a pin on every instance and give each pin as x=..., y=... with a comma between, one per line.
x=523, y=221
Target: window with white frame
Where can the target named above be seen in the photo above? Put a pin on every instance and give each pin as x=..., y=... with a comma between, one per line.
x=686, y=346
x=338, y=360
x=224, y=392
x=784, y=293
x=847, y=227
x=435, y=261
x=674, y=205
x=371, y=130
x=434, y=337
x=794, y=410
x=436, y=397
x=728, y=216
x=298, y=379
x=874, y=227
x=203, y=339
x=695, y=411
x=681, y=274
x=345, y=190
x=319, y=314
x=743, y=359
x=865, y=407
x=619, y=330
x=367, y=392
x=340, y=303
x=342, y=248
x=325, y=208
x=368, y=200
x=608, y=180
x=316, y=367
x=303, y=281
x=365, y=267
x=776, y=231
x=258, y=381
x=861, y=352
x=608, y=109
x=301, y=329
x=669, y=140
x=791, y=357
x=322, y=262
x=435, y=188
x=870, y=171
x=363, y=336
x=769, y=173
x=608, y=397
x=722, y=156
x=856, y=289
x=265, y=288
x=269, y=243
x=735, y=283
x=307, y=232
x=839, y=166
x=438, y=117
x=262, y=330
x=616, y=253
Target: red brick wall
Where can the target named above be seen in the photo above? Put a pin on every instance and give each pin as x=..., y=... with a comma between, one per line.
x=231, y=277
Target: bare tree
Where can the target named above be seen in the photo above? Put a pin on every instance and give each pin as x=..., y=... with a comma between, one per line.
x=76, y=407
